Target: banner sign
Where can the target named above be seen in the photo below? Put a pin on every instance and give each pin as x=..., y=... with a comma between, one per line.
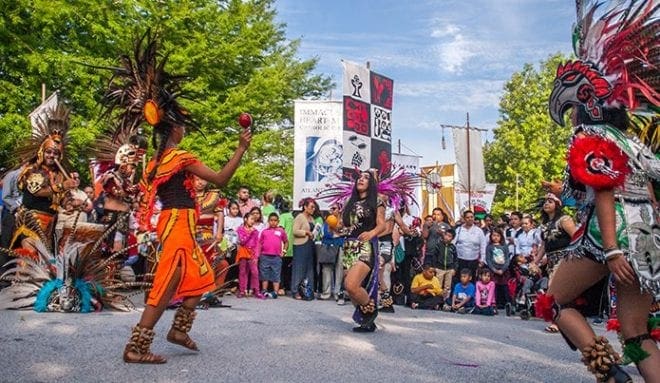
x=482, y=201
x=318, y=149
x=367, y=122
x=476, y=169
x=41, y=112
x=409, y=164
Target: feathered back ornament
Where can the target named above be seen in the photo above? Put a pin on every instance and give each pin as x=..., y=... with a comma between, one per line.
x=618, y=60
x=398, y=187
x=144, y=92
x=51, y=131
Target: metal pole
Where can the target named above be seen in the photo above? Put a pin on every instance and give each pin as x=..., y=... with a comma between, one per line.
x=517, y=192
x=469, y=181
x=399, y=141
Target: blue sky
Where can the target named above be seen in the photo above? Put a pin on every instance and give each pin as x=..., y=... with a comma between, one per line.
x=447, y=58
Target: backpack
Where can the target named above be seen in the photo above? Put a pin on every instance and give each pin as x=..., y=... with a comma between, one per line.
x=399, y=253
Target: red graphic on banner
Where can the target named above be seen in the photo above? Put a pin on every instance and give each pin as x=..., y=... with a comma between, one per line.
x=382, y=89
x=356, y=116
x=384, y=162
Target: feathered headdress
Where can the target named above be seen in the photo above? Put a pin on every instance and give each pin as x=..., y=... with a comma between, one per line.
x=142, y=91
x=76, y=277
x=618, y=60
x=50, y=131
x=108, y=147
x=398, y=187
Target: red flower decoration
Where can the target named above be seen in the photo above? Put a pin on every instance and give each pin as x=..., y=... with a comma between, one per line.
x=613, y=325
x=544, y=307
x=655, y=334
x=597, y=162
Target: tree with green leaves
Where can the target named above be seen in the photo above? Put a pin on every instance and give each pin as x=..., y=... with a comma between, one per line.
x=528, y=146
x=235, y=53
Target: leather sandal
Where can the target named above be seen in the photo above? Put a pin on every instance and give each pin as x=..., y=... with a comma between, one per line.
x=178, y=334
x=138, y=348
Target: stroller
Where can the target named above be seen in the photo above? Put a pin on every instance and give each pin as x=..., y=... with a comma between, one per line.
x=524, y=286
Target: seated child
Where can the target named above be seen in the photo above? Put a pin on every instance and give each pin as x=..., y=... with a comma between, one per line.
x=484, y=299
x=425, y=291
x=462, y=300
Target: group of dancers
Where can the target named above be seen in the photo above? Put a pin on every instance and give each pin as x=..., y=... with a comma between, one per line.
x=611, y=90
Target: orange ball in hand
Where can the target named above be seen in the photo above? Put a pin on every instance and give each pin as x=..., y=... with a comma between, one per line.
x=332, y=221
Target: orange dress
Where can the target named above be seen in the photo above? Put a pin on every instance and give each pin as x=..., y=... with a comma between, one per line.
x=176, y=228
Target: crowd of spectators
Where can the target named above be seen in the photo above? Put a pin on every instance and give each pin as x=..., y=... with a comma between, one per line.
x=469, y=265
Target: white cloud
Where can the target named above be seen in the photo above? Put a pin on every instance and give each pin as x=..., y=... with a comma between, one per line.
x=455, y=95
x=446, y=30
x=454, y=49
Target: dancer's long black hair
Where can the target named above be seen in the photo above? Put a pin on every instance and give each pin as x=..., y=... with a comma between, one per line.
x=159, y=140
x=371, y=199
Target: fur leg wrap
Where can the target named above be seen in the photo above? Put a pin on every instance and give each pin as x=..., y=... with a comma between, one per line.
x=183, y=319
x=141, y=339
x=632, y=348
x=368, y=308
x=386, y=299
x=599, y=358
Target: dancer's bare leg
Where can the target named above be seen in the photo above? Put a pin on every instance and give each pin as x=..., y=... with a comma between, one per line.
x=152, y=314
x=633, y=311
x=353, y=283
x=569, y=281
x=138, y=348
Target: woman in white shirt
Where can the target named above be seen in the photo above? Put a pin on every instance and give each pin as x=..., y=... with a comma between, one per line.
x=470, y=244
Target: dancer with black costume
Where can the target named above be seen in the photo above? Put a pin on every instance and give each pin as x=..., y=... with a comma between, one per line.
x=143, y=91
x=364, y=218
x=609, y=172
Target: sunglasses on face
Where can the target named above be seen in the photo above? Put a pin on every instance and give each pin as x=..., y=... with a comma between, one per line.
x=52, y=151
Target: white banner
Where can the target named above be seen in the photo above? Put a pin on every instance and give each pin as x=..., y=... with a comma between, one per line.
x=410, y=164
x=42, y=110
x=461, y=147
x=356, y=81
x=482, y=201
x=318, y=149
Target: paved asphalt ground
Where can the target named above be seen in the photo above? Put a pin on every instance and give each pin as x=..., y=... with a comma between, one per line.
x=285, y=340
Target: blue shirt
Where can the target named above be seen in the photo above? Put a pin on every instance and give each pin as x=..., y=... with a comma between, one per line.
x=330, y=238
x=463, y=292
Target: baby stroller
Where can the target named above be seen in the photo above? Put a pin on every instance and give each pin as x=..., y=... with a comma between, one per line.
x=524, y=287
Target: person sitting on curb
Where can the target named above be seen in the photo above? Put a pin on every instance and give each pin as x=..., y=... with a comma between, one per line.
x=425, y=291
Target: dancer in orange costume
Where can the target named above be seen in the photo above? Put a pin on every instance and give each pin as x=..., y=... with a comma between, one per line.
x=145, y=92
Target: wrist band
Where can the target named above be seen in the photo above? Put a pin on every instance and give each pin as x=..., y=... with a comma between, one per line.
x=612, y=253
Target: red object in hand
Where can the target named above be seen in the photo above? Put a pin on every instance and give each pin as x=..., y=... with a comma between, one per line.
x=245, y=120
